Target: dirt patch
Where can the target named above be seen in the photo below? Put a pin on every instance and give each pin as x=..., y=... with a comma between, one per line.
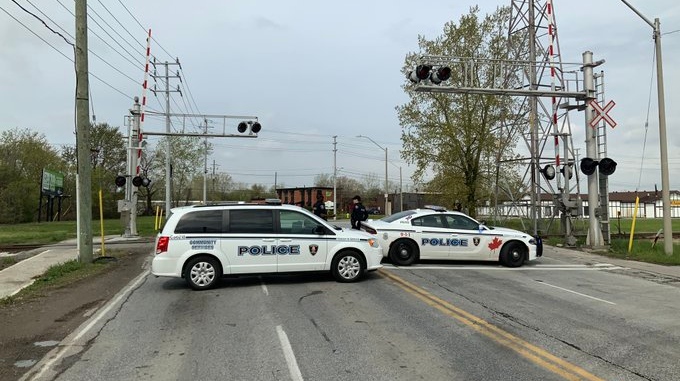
x=30, y=328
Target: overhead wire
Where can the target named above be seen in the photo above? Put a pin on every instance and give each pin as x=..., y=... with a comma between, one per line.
x=649, y=105
x=62, y=53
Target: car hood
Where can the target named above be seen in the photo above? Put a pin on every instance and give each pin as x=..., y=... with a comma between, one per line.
x=506, y=231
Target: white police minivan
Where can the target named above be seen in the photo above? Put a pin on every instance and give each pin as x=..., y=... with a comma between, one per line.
x=202, y=243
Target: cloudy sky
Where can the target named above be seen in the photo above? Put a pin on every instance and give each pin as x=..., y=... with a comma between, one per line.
x=311, y=70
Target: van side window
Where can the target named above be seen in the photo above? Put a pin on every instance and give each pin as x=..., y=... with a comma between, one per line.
x=251, y=221
x=296, y=223
x=202, y=221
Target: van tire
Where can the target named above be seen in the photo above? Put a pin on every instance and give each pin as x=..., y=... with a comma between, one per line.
x=202, y=273
x=347, y=266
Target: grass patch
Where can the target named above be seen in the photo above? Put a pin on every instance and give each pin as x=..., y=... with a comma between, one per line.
x=7, y=262
x=57, y=231
x=61, y=275
x=643, y=251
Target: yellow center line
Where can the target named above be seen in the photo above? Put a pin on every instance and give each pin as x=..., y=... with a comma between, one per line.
x=529, y=351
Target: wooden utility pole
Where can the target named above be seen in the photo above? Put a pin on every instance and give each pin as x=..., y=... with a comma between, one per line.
x=84, y=177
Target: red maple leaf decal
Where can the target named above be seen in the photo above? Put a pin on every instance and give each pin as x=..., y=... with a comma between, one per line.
x=495, y=244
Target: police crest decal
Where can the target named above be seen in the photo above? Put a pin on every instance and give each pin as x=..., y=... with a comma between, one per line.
x=313, y=249
x=475, y=240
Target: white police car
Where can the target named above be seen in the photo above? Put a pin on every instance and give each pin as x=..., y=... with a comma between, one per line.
x=204, y=243
x=435, y=233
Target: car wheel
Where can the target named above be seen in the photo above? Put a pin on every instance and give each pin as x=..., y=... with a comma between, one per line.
x=403, y=253
x=347, y=267
x=202, y=273
x=513, y=254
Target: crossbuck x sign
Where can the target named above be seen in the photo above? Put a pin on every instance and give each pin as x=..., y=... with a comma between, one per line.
x=602, y=113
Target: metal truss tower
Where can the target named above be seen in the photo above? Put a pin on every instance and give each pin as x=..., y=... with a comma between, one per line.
x=549, y=137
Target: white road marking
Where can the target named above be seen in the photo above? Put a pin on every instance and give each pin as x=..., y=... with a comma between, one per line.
x=577, y=293
x=264, y=287
x=524, y=268
x=289, y=355
x=73, y=342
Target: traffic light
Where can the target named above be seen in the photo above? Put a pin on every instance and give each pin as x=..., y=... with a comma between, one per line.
x=120, y=181
x=140, y=181
x=548, y=171
x=424, y=72
x=607, y=166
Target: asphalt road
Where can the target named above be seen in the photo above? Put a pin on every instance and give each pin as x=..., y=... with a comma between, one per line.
x=561, y=317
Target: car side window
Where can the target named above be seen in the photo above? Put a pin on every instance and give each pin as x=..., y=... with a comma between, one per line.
x=292, y=222
x=201, y=221
x=254, y=221
x=461, y=222
x=428, y=221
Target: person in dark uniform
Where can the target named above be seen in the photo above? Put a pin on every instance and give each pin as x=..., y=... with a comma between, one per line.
x=320, y=207
x=358, y=213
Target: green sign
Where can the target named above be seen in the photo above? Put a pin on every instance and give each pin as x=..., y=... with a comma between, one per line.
x=52, y=182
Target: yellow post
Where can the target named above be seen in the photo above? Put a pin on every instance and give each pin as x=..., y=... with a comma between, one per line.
x=632, y=226
x=101, y=220
x=155, y=221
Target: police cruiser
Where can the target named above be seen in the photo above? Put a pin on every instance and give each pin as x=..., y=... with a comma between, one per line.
x=435, y=233
x=202, y=243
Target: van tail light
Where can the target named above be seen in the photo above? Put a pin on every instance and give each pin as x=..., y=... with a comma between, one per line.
x=162, y=245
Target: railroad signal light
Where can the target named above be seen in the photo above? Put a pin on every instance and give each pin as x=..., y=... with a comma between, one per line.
x=607, y=166
x=569, y=173
x=440, y=75
x=120, y=181
x=254, y=127
x=140, y=181
x=548, y=171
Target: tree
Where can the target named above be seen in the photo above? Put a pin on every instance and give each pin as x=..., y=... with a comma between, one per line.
x=454, y=135
x=23, y=156
x=187, y=155
x=108, y=158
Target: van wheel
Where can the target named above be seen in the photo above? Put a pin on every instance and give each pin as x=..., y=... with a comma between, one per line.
x=347, y=267
x=513, y=254
x=202, y=273
x=403, y=253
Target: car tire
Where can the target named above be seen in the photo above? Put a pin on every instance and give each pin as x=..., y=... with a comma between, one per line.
x=513, y=254
x=347, y=266
x=202, y=273
x=403, y=252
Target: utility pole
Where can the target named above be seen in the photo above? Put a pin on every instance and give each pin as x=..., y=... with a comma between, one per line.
x=132, y=190
x=335, y=177
x=205, y=163
x=84, y=182
x=663, y=144
x=594, y=238
x=168, y=153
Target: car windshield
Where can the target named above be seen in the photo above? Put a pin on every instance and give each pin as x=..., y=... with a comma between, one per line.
x=397, y=216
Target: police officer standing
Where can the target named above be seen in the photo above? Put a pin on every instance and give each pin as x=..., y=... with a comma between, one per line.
x=358, y=213
x=320, y=207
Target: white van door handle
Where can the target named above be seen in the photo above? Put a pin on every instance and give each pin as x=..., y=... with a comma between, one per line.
x=268, y=240
x=286, y=240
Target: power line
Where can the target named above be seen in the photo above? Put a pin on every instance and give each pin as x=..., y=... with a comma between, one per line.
x=136, y=65
x=60, y=52
x=122, y=26
x=42, y=21
x=145, y=29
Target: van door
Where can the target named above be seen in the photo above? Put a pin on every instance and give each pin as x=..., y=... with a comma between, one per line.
x=300, y=246
x=250, y=244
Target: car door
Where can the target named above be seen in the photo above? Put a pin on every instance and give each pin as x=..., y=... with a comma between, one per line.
x=301, y=245
x=252, y=240
x=467, y=241
x=432, y=236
